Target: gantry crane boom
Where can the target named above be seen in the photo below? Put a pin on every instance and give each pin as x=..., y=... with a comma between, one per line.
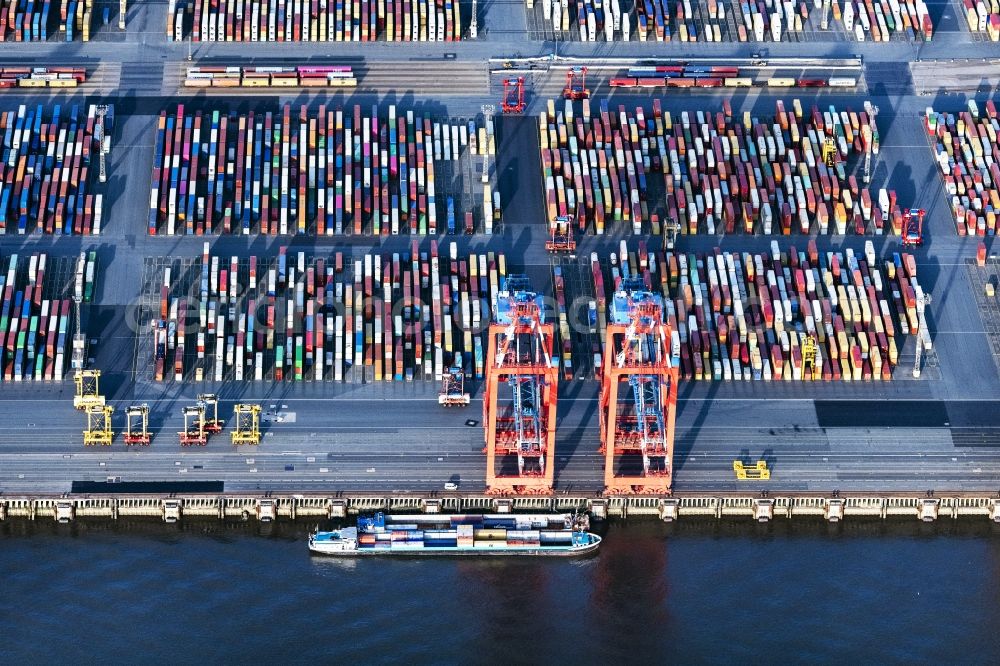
x=520, y=434
x=637, y=423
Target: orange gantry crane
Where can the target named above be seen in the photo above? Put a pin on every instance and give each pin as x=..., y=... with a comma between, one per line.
x=638, y=400
x=521, y=425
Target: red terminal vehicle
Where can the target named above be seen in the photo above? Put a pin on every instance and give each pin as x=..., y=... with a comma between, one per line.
x=513, y=95
x=561, y=235
x=913, y=227
x=576, y=84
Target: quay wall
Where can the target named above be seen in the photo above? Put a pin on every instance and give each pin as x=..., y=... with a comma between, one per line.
x=277, y=506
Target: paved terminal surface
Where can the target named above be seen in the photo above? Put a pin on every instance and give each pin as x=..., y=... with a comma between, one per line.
x=941, y=431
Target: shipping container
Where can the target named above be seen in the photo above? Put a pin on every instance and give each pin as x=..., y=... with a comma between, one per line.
x=49, y=174
x=38, y=20
x=743, y=21
x=322, y=172
x=35, y=316
x=966, y=145
x=744, y=316
x=708, y=172
x=393, y=316
x=318, y=21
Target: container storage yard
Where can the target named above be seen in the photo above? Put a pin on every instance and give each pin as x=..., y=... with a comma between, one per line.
x=398, y=267
x=37, y=319
x=47, y=170
x=982, y=17
x=795, y=315
x=966, y=146
x=731, y=21
x=322, y=21
x=40, y=20
x=393, y=317
x=326, y=172
x=795, y=173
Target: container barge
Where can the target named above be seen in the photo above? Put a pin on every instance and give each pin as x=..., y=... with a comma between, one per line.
x=793, y=316
x=36, y=20
x=328, y=172
x=722, y=20
x=712, y=173
x=311, y=76
x=398, y=317
x=46, y=169
x=430, y=534
x=36, y=315
x=966, y=147
x=316, y=21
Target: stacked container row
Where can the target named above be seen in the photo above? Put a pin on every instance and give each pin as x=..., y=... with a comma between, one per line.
x=31, y=20
x=41, y=77
x=310, y=76
x=83, y=281
x=315, y=20
x=711, y=173
x=682, y=75
x=966, y=147
x=398, y=316
x=565, y=334
x=35, y=321
x=762, y=20
x=45, y=172
x=741, y=316
x=880, y=20
x=330, y=172
x=983, y=16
